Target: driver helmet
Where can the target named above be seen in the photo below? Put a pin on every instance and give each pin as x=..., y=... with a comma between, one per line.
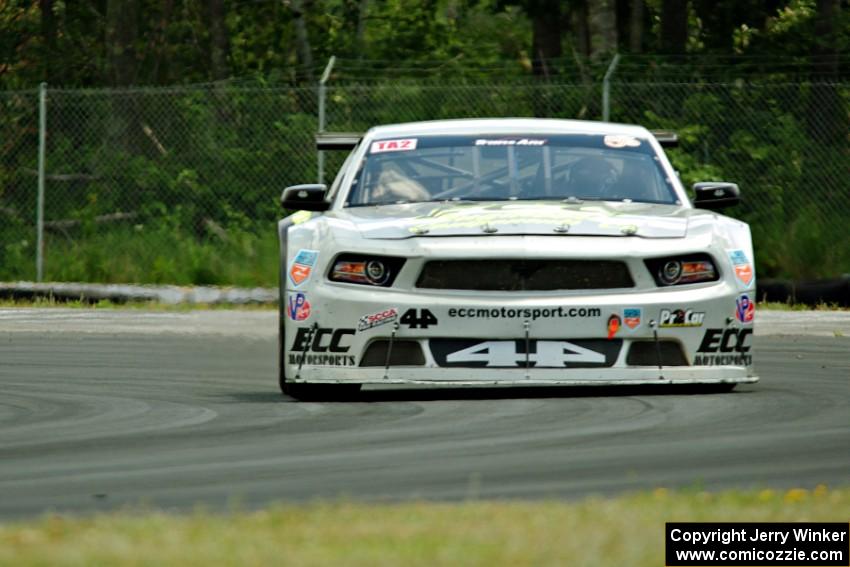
x=591, y=175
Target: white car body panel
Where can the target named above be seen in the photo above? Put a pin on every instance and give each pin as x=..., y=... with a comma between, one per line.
x=717, y=350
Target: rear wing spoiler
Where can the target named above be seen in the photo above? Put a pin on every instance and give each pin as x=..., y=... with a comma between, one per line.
x=666, y=138
x=337, y=140
x=349, y=140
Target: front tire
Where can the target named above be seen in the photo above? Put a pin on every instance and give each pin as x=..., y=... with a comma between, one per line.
x=320, y=392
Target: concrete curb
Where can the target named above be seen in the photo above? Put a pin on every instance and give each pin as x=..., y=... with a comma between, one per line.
x=123, y=293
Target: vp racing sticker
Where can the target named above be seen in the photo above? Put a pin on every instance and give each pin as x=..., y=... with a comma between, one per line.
x=745, y=309
x=298, y=307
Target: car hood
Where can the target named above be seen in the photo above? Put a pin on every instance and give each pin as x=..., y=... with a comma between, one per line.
x=518, y=218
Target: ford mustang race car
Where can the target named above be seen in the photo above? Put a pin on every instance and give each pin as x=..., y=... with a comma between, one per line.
x=511, y=252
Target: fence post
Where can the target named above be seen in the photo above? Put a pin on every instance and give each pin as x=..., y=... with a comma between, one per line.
x=606, y=88
x=322, y=97
x=42, y=139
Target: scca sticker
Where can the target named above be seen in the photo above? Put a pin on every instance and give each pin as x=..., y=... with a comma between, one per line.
x=745, y=309
x=393, y=146
x=298, y=307
x=631, y=318
x=742, y=266
x=377, y=319
x=302, y=266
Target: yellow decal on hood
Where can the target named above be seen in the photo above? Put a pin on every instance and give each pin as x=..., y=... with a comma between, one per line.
x=514, y=214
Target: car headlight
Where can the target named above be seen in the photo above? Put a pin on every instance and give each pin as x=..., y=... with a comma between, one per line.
x=378, y=271
x=686, y=269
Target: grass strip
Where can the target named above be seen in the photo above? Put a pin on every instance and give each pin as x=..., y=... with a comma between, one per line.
x=624, y=530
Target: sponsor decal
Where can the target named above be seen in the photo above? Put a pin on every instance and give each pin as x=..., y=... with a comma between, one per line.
x=404, y=145
x=377, y=319
x=481, y=353
x=298, y=307
x=418, y=318
x=322, y=347
x=302, y=266
x=681, y=318
x=322, y=359
x=614, y=324
x=725, y=347
x=613, y=141
x=321, y=340
x=745, y=309
x=742, y=266
x=532, y=313
x=519, y=142
x=723, y=360
x=631, y=317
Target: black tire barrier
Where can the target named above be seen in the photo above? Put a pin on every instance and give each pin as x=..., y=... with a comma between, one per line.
x=122, y=293
x=805, y=292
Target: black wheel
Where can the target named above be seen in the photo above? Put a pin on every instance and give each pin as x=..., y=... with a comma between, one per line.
x=722, y=388
x=281, y=353
x=329, y=392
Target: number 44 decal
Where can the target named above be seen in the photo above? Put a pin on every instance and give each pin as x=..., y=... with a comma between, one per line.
x=418, y=318
x=550, y=354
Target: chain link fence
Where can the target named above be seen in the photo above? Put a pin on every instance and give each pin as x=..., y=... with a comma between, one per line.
x=181, y=185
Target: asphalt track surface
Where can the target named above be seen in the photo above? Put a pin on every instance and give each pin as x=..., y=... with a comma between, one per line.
x=104, y=409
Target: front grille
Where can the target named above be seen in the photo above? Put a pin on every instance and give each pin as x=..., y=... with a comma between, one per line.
x=524, y=275
x=404, y=353
x=645, y=353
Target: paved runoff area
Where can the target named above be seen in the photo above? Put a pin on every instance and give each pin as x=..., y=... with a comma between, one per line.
x=105, y=408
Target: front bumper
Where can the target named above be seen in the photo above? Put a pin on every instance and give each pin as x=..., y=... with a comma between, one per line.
x=329, y=346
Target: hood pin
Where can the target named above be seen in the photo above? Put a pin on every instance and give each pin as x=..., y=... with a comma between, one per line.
x=562, y=228
x=489, y=229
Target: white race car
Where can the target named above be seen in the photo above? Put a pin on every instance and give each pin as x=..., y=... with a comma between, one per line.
x=511, y=252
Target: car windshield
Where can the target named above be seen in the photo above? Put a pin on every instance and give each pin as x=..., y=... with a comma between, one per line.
x=510, y=167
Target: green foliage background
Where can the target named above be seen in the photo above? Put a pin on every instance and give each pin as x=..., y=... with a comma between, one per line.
x=176, y=178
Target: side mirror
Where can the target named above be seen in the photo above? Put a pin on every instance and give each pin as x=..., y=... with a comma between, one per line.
x=309, y=197
x=716, y=195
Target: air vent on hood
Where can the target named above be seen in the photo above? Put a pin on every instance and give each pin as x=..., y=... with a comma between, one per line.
x=529, y=275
